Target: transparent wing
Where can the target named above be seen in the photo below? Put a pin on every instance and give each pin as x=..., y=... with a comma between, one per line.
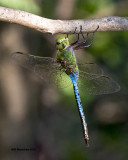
x=97, y=84
x=31, y=61
x=45, y=67
x=87, y=63
x=91, y=68
x=92, y=78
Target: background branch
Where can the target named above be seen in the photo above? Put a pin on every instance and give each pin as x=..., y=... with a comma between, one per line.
x=111, y=23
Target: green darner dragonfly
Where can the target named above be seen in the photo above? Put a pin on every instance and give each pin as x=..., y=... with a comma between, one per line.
x=64, y=70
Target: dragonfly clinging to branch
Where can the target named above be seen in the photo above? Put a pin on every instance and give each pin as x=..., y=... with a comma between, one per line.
x=65, y=66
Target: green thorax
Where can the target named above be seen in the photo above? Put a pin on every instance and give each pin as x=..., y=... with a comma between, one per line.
x=66, y=56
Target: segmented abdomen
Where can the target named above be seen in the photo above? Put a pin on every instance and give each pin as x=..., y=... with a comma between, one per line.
x=74, y=78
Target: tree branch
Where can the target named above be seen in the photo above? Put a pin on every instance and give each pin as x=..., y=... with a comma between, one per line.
x=111, y=23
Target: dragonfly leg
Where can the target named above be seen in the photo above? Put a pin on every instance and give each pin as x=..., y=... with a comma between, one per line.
x=83, y=41
x=77, y=38
x=84, y=38
x=80, y=44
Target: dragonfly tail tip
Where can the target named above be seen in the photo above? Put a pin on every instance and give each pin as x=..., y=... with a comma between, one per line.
x=87, y=142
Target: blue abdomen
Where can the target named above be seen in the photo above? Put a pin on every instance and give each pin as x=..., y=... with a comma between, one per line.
x=74, y=77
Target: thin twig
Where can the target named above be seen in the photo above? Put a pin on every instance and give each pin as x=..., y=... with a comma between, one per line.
x=111, y=23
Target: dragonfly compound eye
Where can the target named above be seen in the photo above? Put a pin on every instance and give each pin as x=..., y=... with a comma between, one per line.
x=57, y=43
x=64, y=45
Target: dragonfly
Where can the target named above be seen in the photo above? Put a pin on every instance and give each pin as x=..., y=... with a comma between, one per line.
x=65, y=70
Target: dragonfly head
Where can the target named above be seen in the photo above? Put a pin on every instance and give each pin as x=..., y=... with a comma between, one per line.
x=62, y=43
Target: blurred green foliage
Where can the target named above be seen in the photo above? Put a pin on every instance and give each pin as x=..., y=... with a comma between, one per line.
x=25, y=5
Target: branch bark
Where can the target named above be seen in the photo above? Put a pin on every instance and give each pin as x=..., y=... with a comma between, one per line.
x=111, y=23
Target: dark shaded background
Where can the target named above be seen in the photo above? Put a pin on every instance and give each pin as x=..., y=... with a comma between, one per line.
x=37, y=116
